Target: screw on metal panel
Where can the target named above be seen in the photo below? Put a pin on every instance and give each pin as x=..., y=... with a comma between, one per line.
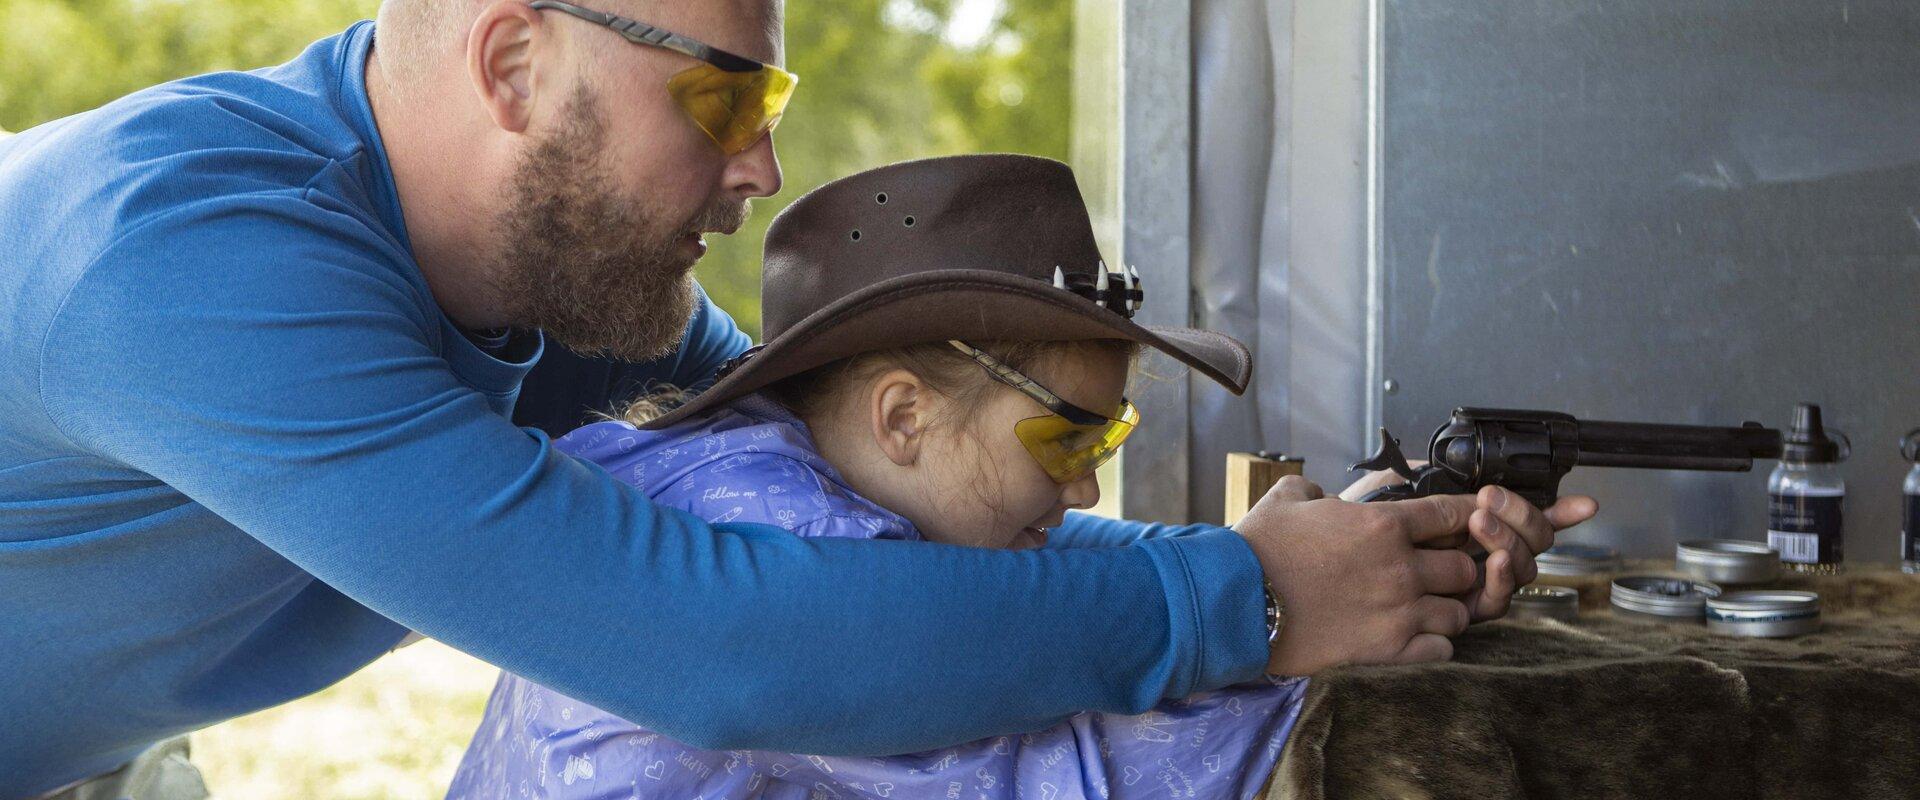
x=1391, y=386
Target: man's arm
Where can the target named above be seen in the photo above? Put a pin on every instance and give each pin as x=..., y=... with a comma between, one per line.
x=1088, y=530
x=293, y=390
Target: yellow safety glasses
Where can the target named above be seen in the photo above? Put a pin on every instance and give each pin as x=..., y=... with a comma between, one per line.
x=1069, y=443
x=735, y=108
x=735, y=99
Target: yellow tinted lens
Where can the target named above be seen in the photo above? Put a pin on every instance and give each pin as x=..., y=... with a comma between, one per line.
x=735, y=108
x=1069, y=452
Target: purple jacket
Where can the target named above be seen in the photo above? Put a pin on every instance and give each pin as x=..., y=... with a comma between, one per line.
x=755, y=462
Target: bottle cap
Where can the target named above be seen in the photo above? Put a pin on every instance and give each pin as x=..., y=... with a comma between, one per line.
x=1808, y=441
x=1910, y=446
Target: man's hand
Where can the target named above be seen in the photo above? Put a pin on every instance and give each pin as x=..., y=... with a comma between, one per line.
x=1514, y=531
x=1501, y=521
x=1357, y=584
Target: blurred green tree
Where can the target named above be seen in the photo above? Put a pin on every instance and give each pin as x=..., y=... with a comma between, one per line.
x=881, y=81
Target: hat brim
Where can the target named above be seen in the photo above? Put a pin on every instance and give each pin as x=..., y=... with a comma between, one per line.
x=963, y=304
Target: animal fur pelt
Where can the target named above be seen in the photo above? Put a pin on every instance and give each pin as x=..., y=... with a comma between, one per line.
x=1611, y=708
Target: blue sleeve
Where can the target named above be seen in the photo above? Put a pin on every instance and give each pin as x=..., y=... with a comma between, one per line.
x=260, y=354
x=1087, y=530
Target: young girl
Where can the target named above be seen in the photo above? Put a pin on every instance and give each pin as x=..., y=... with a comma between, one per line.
x=947, y=363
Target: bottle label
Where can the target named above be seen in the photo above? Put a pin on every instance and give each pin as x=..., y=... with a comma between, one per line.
x=1910, y=549
x=1805, y=529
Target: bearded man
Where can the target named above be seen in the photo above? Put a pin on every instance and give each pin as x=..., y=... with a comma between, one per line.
x=264, y=334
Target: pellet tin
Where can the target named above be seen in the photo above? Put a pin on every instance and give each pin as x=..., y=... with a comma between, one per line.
x=1546, y=602
x=1662, y=598
x=1727, y=561
x=1766, y=613
x=1578, y=559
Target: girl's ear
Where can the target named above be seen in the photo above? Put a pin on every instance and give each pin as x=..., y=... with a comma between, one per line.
x=898, y=409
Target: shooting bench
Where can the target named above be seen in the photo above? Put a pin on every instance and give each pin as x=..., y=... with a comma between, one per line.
x=1610, y=707
x=1613, y=708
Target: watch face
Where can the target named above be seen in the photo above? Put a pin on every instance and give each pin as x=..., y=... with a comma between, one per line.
x=1273, y=612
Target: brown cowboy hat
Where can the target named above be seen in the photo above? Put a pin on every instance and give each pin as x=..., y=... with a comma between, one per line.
x=976, y=247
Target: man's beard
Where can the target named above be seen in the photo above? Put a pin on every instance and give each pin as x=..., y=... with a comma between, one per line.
x=600, y=273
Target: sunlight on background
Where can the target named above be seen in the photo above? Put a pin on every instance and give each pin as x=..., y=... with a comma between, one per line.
x=882, y=81
x=394, y=730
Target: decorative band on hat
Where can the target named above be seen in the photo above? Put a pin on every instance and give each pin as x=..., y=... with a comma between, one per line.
x=1118, y=292
x=727, y=367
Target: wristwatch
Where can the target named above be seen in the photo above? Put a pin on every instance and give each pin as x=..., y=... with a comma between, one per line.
x=1276, y=612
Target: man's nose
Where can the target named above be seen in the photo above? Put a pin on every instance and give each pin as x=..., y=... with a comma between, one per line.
x=1083, y=493
x=755, y=171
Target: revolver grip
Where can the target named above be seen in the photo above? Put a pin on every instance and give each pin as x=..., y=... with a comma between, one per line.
x=1542, y=498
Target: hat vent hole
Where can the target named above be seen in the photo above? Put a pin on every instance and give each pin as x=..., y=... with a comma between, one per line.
x=856, y=236
x=909, y=222
x=880, y=198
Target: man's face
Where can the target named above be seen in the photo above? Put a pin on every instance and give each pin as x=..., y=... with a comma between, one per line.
x=610, y=203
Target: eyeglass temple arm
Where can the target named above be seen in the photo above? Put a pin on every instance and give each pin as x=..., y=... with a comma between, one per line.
x=1008, y=375
x=641, y=33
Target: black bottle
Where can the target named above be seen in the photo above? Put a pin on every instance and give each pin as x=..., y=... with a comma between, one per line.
x=1804, y=497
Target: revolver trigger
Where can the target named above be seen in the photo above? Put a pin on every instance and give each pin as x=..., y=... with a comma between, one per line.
x=1387, y=456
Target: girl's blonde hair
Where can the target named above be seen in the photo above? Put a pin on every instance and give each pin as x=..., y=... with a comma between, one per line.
x=947, y=370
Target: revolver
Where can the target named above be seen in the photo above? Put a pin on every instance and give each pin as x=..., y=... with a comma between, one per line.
x=1529, y=452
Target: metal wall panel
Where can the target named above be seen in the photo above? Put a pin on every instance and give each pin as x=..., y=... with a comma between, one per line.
x=1132, y=151
x=1280, y=198
x=1695, y=211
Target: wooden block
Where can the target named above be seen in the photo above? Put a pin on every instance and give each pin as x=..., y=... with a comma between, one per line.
x=1250, y=475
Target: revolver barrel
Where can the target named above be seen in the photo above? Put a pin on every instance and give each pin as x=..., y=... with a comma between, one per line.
x=1691, y=447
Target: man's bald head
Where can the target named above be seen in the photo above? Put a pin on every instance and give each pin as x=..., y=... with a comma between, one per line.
x=420, y=37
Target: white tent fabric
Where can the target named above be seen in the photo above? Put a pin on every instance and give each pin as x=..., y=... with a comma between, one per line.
x=1278, y=245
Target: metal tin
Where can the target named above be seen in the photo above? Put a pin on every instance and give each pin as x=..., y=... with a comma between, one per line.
x=1734, y=561
x=1546, y=602
x=1768, y=613
x=1578, y=559
x=1668, y=599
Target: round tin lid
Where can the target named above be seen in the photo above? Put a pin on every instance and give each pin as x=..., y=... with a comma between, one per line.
x=1726, y=552
x=1578, y=559
x=1765, y=604
x=1730, y=551
x=1663, y=596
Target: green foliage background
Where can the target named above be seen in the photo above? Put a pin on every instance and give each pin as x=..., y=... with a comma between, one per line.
x=881, y=81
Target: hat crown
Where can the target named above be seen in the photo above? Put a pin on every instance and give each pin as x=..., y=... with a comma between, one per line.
x=1020, y=215
x=967, y=247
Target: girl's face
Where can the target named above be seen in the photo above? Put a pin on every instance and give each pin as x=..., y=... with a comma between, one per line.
x=981, y=487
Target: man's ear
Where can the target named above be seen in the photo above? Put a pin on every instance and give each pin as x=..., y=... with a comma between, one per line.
x=500, y=62
x=898, y=408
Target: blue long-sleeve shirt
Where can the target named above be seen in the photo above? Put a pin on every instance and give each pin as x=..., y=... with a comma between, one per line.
x=242, y=450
